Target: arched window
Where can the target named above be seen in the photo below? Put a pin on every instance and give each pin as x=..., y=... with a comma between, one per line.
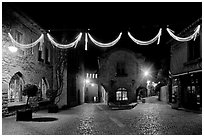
x=121, y=94
x=43, y=86
x=15, y=88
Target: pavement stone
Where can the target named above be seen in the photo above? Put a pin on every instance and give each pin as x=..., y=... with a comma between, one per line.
x=150, y=118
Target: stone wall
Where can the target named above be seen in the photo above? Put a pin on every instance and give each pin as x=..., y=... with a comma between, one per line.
x=133, y=66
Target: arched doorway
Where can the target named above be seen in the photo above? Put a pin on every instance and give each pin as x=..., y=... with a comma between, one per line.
x=15, y=88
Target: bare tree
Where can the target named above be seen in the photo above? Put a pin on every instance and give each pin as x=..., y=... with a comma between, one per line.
x=60, y=65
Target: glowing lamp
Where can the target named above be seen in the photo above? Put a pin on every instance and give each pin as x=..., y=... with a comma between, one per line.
x=13, y=49
x=92, y=84
x=87, y=81
x=148, y=82
x=146, y=73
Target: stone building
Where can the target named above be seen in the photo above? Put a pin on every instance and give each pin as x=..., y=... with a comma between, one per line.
x=120, y=74
x=75, y=78
x=32, y=65
x=186, y=69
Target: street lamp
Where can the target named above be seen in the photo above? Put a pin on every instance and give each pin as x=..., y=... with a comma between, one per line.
x=146, y=73
x=13, y=49
x=87, y=81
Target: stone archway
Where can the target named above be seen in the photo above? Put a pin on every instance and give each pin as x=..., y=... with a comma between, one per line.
x=141, y=91
x=15, y=88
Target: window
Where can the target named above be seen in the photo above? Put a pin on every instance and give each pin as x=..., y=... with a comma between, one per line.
x=47, y=55
x=121, y=94
x=18, y=36
x=19, y=39
x=15, y=88
x=30, y=50
x=43, y=87
x=40, y=53
x=194, y=88
x=120, y=69
x=194, y=49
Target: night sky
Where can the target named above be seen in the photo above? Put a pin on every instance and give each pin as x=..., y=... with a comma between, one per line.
x=107, y=20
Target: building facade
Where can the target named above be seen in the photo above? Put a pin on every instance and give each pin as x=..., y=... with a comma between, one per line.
x=120, y=74
x=27, y=65
x=73, y=91
x=186, y=70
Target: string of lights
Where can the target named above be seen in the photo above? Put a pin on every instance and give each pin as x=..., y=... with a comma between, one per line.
x=41, y=40
x=100, y=44
x=86, y=41
x=105, y=44
x=194, y=35
x=147, y=42
x=64, y=46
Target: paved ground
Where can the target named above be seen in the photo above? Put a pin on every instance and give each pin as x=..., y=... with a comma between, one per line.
x=152, y=117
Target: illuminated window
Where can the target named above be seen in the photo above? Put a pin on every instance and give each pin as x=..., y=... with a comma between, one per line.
x=121, y=94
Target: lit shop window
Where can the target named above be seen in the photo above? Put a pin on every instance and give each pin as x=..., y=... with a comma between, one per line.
x=121, y=94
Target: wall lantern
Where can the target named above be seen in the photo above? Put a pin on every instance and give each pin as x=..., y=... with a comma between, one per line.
x=13, y=49
x=146, y=73
x=87, y=81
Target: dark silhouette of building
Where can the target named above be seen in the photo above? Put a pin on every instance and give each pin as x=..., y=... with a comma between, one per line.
x=186, y=69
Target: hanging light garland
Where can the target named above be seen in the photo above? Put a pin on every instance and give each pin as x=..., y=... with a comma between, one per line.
x=41, y=40
x=87, y=35
x=86, y=41
x=194, y=35
x=105, y=44
x=147, y=42
x=64, y=46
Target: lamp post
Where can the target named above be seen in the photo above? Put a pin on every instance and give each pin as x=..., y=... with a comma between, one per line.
x=146, y=74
